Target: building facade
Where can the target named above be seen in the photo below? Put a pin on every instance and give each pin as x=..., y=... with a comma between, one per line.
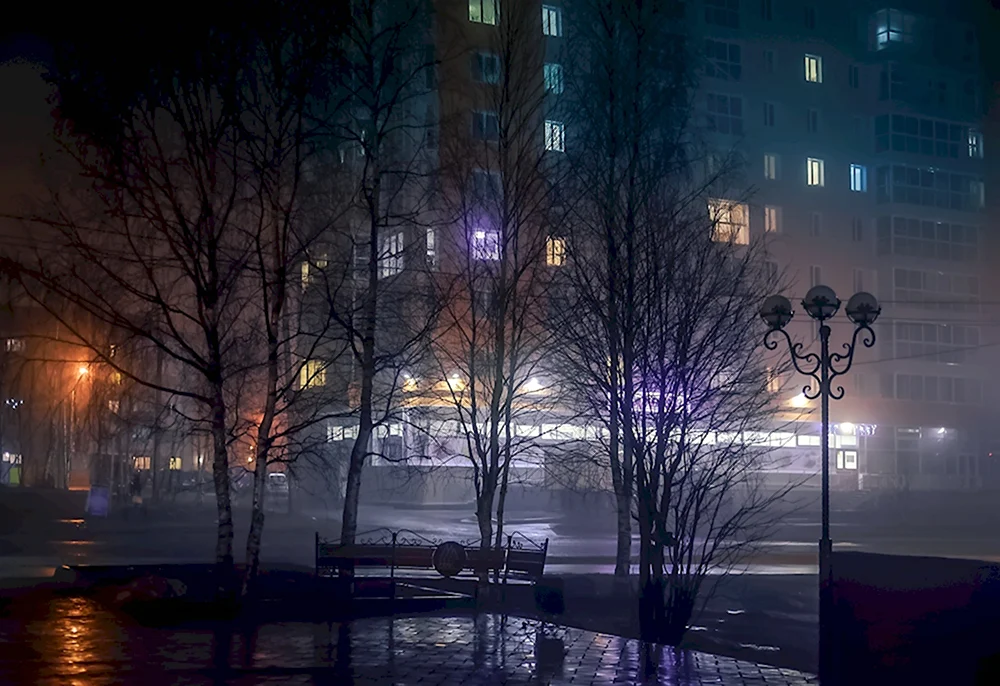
x=862, y=130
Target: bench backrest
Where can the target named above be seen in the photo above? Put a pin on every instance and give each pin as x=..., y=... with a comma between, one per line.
x=517, y=562
x=364, y=555
x=527, y=563
x=479, y=560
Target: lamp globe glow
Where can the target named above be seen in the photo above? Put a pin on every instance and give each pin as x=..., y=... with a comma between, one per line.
x=776, y=311
x=821, y=303
x=863, y=309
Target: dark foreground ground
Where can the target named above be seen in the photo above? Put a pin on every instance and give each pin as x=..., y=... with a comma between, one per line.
x=58, y=639
x=767, y=614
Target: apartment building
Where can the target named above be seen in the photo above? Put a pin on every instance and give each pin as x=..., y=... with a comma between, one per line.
x=861, y=127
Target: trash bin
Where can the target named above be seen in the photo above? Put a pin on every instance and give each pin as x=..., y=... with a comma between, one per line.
x=550, y=595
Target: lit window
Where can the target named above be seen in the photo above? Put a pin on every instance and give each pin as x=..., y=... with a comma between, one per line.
x=859, y=178
x=555, y=251
x=730, y=221
x=893, y=26
x=390, y=255
x=432, y=254
x=485, y=67
x=814, y=68
x=114, y=405
x=555, y=136
x=485, y=126
x=814, y=172
x=312, y=374
x=553, y=77
x=847, y=459
x=551, y=21
x=816, y=224
x=483, y=11
x=334, y=432
x=485, y=244
x=305, y=274
x=773, y=381
x=14, y=345
x=174, y=464
x=772, y=219
x=140, y=462
x=975, y=144
x=770, y=166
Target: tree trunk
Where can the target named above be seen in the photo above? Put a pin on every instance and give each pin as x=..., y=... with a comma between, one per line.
x=352, y=491
x=220, y=474
x=257, y=512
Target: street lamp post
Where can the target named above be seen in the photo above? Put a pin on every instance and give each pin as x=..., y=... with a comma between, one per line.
x=821, y=303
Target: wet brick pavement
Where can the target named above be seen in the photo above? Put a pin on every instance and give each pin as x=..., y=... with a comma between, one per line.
x=74, y=641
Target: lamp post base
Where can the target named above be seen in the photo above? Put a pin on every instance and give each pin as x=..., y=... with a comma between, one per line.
x=825, y=611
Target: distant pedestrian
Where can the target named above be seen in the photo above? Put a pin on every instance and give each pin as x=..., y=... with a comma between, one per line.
x=135, y=490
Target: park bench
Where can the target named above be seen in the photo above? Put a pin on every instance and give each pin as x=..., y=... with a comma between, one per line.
x=419, y=557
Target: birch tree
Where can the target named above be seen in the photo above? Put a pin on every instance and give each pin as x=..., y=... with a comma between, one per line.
x=498, y=175
x=386, y=309
x=178, y=222
x=662, y=343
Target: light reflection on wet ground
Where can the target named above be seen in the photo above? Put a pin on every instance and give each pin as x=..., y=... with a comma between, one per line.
x=75, y=641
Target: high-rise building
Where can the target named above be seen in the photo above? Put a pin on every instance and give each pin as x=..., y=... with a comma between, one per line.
x=861, y=126
x=861, y=129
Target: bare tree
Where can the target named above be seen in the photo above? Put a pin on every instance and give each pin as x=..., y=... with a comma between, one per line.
x=182, y=226
x=386, y=313
x=662, y=343
x=496, y=190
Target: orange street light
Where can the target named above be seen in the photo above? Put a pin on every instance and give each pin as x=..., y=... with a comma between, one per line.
x=83, y=370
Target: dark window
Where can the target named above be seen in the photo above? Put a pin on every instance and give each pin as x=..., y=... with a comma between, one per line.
x=722, y=60
x=723, y=13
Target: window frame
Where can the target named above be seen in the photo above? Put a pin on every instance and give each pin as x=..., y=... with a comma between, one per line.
x=482, y=118
x=772, y=166
x=485, y=245
x=552, y=74
x=555, y=251
x=312, y=374
x=479, y=15
x=772, y=219
x=815, y=172
x=554, y=132
x=552, y=21
x=859, y=178
x=721, y=213
x=813, y=68
x=479, y=73
x=391, y=256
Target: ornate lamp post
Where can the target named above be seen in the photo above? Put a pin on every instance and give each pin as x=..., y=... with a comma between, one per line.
x=821, y=303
